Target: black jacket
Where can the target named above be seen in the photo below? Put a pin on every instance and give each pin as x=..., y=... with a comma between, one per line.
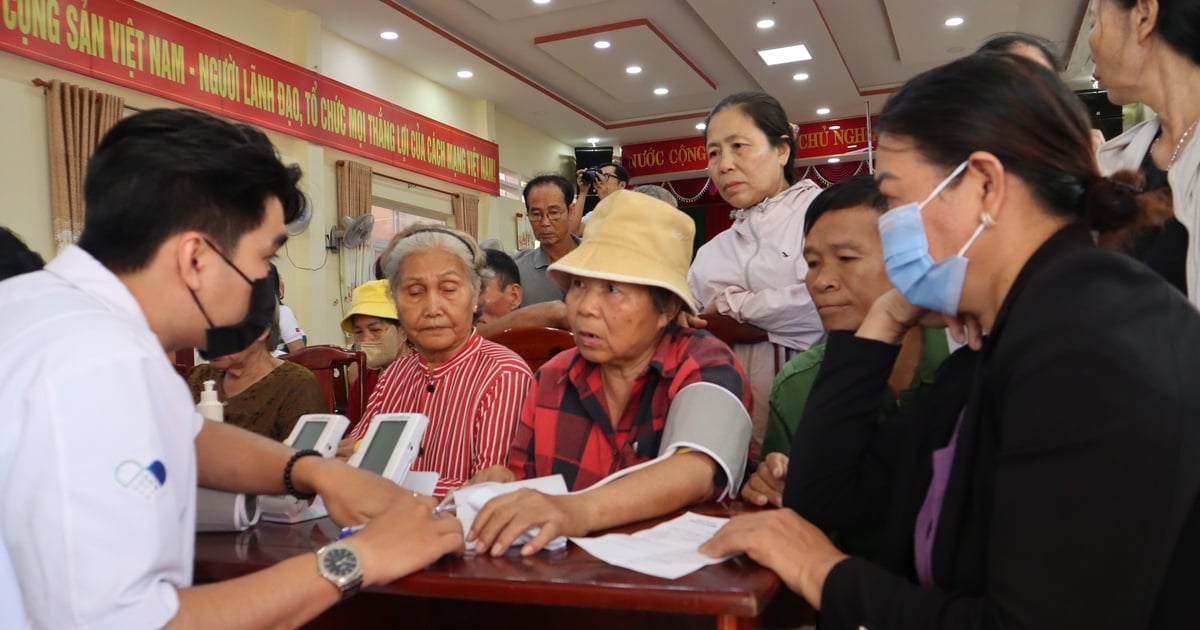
x=1072, y=501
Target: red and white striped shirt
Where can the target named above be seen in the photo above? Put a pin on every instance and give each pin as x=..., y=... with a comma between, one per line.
x=473, y=402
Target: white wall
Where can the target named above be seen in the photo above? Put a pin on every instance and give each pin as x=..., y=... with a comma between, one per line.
x=529, y=152
x=311, y=276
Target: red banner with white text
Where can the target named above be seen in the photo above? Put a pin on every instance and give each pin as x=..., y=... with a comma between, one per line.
x=132, y=45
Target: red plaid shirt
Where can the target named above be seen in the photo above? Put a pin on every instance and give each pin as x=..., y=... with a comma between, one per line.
x=565, y=427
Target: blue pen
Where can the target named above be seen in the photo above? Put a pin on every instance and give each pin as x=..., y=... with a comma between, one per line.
x=350, y=531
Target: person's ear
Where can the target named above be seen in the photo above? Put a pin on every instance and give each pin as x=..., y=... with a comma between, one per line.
x=515, y=295
x=189, y=247
x=989, y=182
x=1145, y=19
x=783, y=151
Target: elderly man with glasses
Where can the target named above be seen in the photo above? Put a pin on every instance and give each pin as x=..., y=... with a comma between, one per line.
x=547, y=204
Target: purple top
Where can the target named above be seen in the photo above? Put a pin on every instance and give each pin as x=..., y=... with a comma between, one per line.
x=931, y=509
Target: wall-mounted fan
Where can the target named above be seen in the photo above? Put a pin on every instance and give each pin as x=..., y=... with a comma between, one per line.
x=352, y=232
x=297, y=227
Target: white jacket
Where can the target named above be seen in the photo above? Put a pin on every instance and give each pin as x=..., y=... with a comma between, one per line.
x=754, y=270
x=1126, y=152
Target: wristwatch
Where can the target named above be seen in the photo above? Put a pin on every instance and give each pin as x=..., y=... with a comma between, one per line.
x=338, y=563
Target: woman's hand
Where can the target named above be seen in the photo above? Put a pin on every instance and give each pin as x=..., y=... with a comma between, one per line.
x=766, y=484
x=783, y=542
x=506, y=517
x=891, y=316
x=495, y=474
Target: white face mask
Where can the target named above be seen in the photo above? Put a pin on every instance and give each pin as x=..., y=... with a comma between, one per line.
x=381, y=353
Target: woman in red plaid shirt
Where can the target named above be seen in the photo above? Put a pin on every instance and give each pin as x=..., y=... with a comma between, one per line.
x=603, y=406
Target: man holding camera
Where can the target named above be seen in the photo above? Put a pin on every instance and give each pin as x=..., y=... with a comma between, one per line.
x=605, y=180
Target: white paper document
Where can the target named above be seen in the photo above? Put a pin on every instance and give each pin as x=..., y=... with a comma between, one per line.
x=469, y=500
x=668, y=550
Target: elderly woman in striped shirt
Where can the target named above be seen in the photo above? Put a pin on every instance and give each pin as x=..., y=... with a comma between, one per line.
x=471, y=389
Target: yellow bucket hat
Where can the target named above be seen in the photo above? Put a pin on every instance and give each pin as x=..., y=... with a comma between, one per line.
x=370, y=298
x=634, y=238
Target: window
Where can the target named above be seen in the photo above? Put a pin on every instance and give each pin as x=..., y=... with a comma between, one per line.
x=393, y=216
x=511, y=185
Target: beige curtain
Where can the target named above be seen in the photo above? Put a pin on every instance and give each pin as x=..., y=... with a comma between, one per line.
x=354, y=200
x=466, y=214
x=77, y=117
x=353, y=189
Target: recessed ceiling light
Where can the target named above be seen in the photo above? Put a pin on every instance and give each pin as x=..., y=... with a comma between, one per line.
x=593, y=140
x=822, y=111
x=803, y=76
x=832, y=127
x=633, y=69
x=541, y=1
x=661, y=91
x=602, y=44
x=787, y=54
x=390, y=35
x=954, y=21
x=465, y=74
x=834, y=160
x=701, y=126
x=765, y=24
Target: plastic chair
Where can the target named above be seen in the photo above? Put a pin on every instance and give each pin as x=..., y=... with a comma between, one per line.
x=536, y=345
x=329, y=364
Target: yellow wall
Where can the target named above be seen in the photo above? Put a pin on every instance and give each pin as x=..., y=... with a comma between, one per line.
x=310, y=273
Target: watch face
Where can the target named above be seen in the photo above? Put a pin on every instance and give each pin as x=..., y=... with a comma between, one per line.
x=340, y=562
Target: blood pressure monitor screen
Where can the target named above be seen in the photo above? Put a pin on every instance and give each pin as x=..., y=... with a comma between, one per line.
x=309, y=435
x=382, y=445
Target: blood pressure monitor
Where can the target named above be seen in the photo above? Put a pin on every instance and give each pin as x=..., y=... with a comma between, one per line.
x=318, y=431
x=392, y=442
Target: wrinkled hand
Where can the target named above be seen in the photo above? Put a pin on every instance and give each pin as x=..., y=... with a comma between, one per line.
x=506, y=517
x=782, y=541
x=405, y=537
x=496, y=474
x=346, y=448
x=352, y=496
x=766, y=484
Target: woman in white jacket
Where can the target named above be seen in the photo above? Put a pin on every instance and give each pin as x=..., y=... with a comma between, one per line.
x=1148, y=51
x=749, y=280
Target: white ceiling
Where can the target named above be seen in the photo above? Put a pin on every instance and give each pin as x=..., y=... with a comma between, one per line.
x=537, y=63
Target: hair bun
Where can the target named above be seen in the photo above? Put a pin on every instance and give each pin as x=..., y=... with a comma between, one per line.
x=1109, y=204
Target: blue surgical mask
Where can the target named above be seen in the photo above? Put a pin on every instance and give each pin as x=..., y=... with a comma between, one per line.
x=936, y=286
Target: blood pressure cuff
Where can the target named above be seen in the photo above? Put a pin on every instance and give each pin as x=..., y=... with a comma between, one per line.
x=707, y=418
x=703, y=418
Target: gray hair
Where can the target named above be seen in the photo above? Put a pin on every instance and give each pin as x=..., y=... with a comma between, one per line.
x=658, y=192
x=419, y=238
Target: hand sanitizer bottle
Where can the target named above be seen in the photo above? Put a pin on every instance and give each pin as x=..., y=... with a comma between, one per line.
x=210, y=407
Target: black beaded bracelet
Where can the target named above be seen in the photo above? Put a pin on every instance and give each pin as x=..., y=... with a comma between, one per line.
x=287, y=474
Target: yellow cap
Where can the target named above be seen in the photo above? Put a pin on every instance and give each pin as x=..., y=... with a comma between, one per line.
x=370, y=298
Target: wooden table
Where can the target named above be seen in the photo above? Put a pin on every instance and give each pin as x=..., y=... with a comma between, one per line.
x=567, y=588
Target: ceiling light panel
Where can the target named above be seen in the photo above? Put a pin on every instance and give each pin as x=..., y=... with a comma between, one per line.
x=787, y=54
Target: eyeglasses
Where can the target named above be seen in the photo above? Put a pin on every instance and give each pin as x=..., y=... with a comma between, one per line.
x=536, y=216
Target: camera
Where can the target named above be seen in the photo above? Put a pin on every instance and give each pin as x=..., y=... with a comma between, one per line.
x=588, y=176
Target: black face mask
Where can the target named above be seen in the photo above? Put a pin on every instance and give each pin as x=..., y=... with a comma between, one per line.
x=223, y=340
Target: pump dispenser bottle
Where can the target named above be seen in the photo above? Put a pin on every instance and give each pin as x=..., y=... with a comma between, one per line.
x=210, y=406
